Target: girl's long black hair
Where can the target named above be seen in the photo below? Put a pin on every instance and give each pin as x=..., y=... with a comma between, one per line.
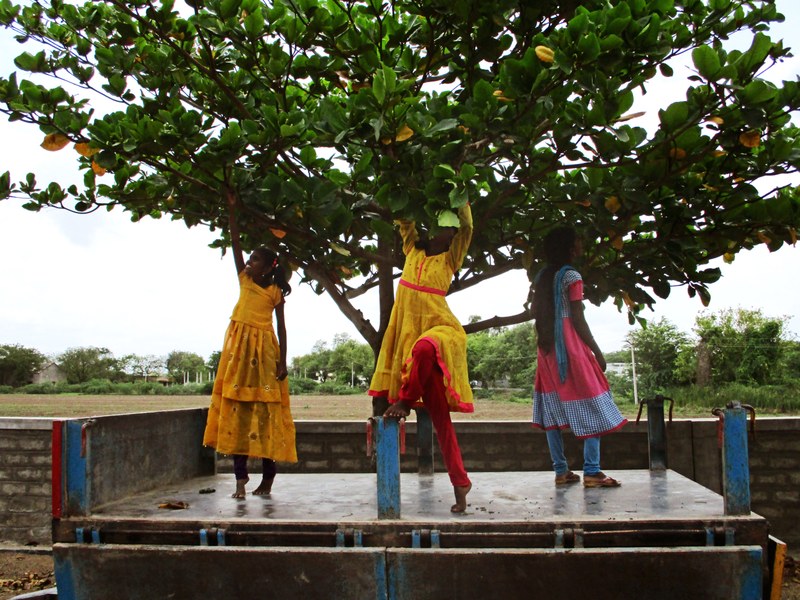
x=278, y=273
x=558, y=245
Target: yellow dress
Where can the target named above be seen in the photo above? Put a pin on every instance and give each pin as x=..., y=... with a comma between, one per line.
x=421, y=312
x=250, y=412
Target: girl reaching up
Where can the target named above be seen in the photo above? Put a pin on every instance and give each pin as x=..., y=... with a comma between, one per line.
x=250, y=414
x=423, y=357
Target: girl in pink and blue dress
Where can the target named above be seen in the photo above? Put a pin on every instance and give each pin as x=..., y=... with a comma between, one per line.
x=570, y=389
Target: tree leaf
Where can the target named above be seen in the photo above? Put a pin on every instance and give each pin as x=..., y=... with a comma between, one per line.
x=706, y=61
x=447, y=218
x=54, y=141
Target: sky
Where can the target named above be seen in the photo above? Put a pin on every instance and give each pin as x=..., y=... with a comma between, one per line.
x=152, y=287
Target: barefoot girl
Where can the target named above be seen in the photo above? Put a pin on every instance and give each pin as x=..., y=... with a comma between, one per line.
x=570, y=388
x=249, y=413
x=423, y=358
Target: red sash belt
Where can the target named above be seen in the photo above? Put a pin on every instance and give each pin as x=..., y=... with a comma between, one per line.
x=422, y=288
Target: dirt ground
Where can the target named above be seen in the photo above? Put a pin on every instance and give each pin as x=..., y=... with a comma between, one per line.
x=24, y=572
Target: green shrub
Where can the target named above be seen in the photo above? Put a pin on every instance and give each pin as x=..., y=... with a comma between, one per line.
x=621, y=387
x=6, y=389
x=302, y=385
x=336, y=389
x=98, y=386
x=126, y=389
x=766, y=398
x=148, y=388
x=481, y=393
x=38, y=388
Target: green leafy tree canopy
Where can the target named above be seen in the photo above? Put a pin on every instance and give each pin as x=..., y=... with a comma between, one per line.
x=86, y=363
x=327, y=119
x=184, y=366
x=656, y=350
x=742, y=345
x=18, y=364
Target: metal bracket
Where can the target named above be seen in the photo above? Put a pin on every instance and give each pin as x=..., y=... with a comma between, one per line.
x=349, y=537
x=211, y=535
x=81, y=535
x=568, y=538
x=425, y=538
x=725, y=535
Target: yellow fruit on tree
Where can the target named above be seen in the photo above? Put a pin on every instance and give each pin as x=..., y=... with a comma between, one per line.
x=613, y=204
x=544, y=54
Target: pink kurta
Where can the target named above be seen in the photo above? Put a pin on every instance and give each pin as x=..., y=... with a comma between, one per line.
x=583, y=401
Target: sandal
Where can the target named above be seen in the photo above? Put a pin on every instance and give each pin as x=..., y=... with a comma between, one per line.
x=600, y=480
x=567, y=478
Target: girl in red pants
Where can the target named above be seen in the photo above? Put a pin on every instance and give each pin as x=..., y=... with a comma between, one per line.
x=423, y=357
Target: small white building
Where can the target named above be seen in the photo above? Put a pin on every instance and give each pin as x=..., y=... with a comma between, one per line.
x=620, y=368
x=50, y=373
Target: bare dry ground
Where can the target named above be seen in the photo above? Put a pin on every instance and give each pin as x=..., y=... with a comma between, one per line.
x=305, y=408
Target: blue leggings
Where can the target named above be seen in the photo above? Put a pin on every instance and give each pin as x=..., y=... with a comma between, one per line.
x=591, y=453
x=268, y=467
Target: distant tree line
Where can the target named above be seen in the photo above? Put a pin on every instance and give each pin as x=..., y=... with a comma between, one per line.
x=738, y=347
x=19, y=365
x=740, y=353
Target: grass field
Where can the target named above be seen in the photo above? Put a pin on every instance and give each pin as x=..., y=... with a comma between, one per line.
x=305, y=408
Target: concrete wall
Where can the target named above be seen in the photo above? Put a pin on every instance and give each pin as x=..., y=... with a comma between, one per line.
x=339, y=446
x=25, y=504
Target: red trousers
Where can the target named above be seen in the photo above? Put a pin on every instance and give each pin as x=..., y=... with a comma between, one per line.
x=426, y=381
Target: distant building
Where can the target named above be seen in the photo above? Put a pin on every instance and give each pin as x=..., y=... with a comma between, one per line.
x=622, y=369
x=50, y=373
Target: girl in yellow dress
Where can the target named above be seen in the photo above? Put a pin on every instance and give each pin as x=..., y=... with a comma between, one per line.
x=423, y=357
x=249, y=413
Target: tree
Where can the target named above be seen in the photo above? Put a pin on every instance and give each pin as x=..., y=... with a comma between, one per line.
x=743, y=346
x=144, y=366
x=213, y=362
x=350, y=361
x=182, y=366
x=83, y=364
x=315, y=364
x=503, y=354
x=657, y=348
x=327, y=119
x=19, y=364
x=790, y=363
x=480, y=350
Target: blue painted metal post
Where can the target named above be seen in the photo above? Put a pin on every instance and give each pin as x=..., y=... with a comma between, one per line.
x=735, y=460
x=387, y=449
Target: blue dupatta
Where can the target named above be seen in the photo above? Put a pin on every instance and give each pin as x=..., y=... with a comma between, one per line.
x=558, y=329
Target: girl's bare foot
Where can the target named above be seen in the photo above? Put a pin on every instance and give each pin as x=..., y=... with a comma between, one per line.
x=240, y=483
x=265, y=487
x=398, y=410
x=461, y=492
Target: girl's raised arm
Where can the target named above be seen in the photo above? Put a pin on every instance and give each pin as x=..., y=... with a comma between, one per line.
x=233, y=229
x=462, y=239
